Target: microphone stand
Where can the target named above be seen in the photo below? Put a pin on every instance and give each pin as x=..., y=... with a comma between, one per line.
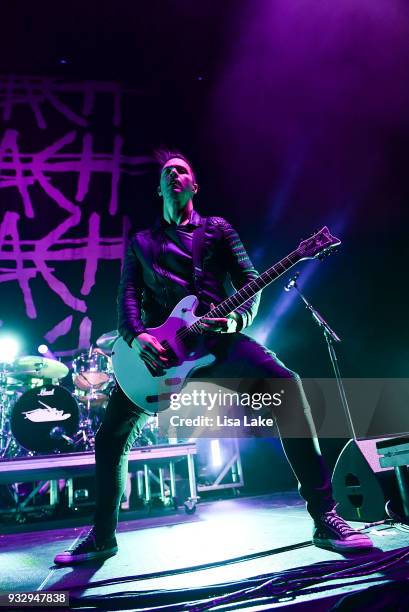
x=330, y=337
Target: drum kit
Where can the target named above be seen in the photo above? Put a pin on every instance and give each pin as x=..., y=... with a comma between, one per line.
x=40, y=416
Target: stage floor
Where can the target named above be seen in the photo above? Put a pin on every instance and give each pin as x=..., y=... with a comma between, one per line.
x=219, y=531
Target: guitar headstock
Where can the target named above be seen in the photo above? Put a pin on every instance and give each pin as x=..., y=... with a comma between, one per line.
x=318, y=245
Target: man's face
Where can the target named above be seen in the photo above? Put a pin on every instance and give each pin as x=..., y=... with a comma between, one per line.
x=177, y=180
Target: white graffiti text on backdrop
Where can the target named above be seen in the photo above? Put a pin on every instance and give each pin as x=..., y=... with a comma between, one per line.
x=23, y=172
x=40, y=94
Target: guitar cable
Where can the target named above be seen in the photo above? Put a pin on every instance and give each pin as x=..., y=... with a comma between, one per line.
x=275, y=587
x=186, y=570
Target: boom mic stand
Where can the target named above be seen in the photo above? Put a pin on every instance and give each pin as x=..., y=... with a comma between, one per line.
x=330, y=337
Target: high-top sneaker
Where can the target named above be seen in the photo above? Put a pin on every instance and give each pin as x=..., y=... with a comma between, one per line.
x=332, y=532
x=87, y=548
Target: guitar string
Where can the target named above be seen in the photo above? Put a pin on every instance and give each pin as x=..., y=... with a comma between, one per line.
x=181, y=334
x=215, y=312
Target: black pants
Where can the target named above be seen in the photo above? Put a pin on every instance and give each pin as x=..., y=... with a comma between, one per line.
x=237, y=356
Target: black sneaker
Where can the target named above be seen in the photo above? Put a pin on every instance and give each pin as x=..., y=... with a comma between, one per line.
x=332, y=532
x=87, y=548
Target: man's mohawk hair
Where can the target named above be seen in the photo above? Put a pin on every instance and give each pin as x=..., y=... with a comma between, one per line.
x=163, y=155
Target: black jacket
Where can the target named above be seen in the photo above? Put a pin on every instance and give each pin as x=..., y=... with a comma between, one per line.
x=148, y=290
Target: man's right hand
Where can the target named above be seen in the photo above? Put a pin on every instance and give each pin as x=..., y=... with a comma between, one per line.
x=151, y=351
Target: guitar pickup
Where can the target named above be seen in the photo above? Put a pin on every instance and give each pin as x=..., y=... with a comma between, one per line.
x=173, y=381
x=151, y=399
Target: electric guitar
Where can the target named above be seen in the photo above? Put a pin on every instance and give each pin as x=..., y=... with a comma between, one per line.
x=181, y=331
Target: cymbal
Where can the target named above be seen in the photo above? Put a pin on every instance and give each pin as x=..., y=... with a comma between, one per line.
x=39, y=367
x=106, y=341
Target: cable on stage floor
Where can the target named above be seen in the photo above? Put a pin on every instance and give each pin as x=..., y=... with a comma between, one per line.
x=267, y=588
x=194, y=568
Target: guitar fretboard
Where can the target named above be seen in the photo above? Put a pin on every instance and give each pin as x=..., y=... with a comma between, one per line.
x=247, y=292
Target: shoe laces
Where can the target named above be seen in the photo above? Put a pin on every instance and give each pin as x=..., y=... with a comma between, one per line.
x=86, y=540
x=332, y=519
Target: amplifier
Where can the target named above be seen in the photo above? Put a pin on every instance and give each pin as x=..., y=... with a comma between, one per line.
x=361, y=485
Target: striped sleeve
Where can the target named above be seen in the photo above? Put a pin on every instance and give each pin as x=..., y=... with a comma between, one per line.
x=241, y=271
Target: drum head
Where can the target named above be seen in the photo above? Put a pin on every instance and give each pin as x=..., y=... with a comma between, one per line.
x=92, y=371
x=42, y=417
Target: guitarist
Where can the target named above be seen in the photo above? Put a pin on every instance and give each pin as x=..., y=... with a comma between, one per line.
x=157, y=273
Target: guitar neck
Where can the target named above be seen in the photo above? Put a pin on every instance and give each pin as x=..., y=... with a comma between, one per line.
x=253, y=287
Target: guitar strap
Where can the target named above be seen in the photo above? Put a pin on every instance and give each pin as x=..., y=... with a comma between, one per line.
x=198, y=240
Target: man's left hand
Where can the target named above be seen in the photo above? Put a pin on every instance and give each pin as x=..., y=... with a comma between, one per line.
x=221, y=325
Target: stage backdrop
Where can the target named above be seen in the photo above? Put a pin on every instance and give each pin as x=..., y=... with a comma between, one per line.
x=66, y=176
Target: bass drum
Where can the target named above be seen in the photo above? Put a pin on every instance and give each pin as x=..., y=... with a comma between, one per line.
x=45, y=419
